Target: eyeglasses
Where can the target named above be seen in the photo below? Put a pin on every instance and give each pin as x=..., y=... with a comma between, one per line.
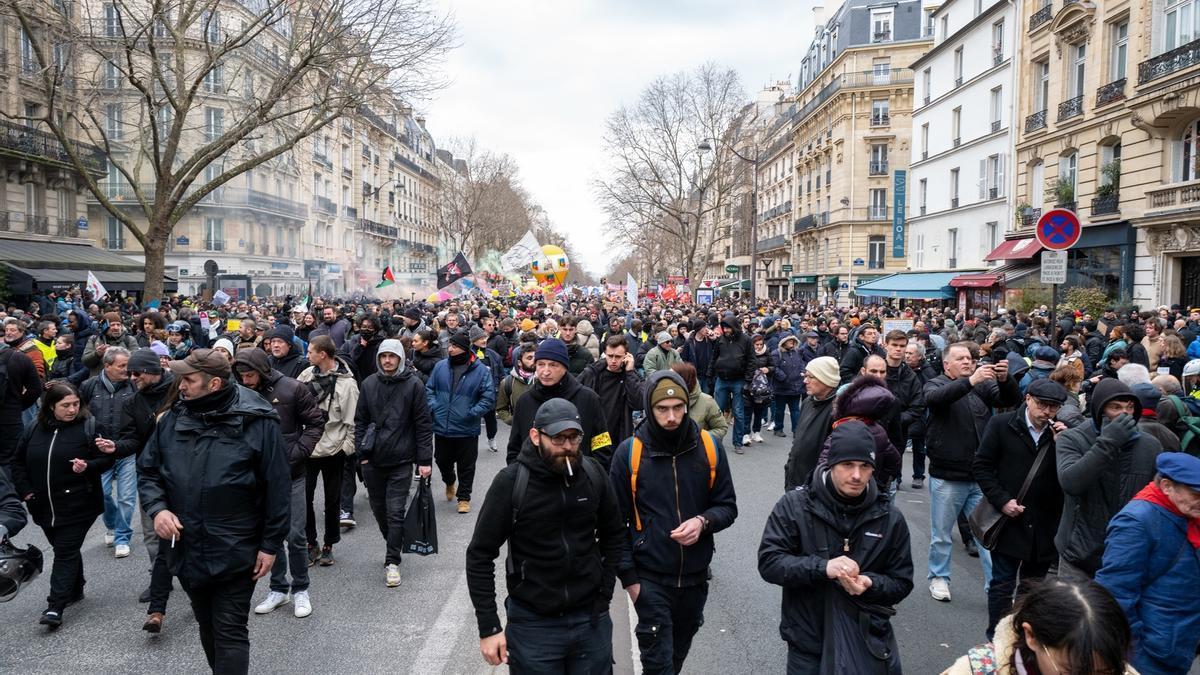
x=564, y=440
x=1048, y=407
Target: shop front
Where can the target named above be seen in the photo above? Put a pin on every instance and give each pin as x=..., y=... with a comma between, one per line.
x=777, y=288
x=804, y=287
x=933, y=287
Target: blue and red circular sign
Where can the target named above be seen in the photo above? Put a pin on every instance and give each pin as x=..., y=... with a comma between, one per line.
x=1058, y=229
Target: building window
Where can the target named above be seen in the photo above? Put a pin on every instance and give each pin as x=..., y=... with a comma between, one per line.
x=112, y=21
x=952, y=249
x=993, y=235
x=919, y=251
x=1187, y=167
x=875, y=251
x=214, y=123
x=956, y=126
x=927, y=26
x=1041, y=95
x=945, y=27
x=1120, y=51
x=926, y=82
x=924, y=140
x=991, y=177
x=878, y=208
x=881, y=70
x=112, y=75
x=998, y=42
x=1110, y=155
x=879, y=112
x=879, y=159
x=995, y=107
x=954, y=188
x=214, y=79
x=1182, y=23
x=881, y=25
x=113, y=128
x=958, y=66
x=1068, y=173
x=1037, y=182
x=922, y=195
x=114, y=235
x=1078, y=66
x=214, y=234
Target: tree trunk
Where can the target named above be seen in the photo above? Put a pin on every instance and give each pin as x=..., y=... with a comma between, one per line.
x=155, y=249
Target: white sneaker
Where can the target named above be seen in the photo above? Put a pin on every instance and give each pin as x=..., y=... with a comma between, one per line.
x=939, y=588
x=492, y=445
x=303, y=605
x=392, y=573
x=757, y=437
x=771, y=426
x=122, y=550
x=274, y=601
x=746, y=440
x=109, y=538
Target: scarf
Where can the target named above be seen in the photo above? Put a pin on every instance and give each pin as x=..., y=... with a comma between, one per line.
x=211, y=402
x=1154, y=494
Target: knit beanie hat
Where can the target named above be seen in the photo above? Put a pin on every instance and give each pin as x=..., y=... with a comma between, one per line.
x=145, y=361
x=826, y=370
x=665, y=389
x=851, y=441
x=553, y=349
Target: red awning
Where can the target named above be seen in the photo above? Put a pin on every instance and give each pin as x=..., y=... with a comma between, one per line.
x=978, y=280
x=1015, y=249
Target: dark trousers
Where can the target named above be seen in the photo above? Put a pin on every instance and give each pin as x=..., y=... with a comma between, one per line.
x=489, y=423
x=918, y=458
x=803, y=663
x=66, y=576
x=160, y=579
x=578, y=642
x=756, y=414
x=329, y=470
x=455, y=458
x=350, y=474
x=668, y=619
x=222, y=609
x=707, y=385
x=1009, y=575
x=387, y=492
x=10, y=436
x=792, y=405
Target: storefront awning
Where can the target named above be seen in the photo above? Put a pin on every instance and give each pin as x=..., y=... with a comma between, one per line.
x=736, y=284
x=1015, y=249
x=48, y=265
x=977, y=280
x=911, y=285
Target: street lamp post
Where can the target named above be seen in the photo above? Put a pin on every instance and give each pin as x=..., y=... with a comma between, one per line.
x=753, y=162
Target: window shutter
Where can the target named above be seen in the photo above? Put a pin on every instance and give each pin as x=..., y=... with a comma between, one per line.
x=1000, y=176
x=982, y=179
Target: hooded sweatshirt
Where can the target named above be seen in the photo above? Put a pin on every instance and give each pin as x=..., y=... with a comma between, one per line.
x=392, y=424
x=337, y=395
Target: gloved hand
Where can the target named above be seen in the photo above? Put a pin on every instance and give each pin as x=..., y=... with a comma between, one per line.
x=1119, y=429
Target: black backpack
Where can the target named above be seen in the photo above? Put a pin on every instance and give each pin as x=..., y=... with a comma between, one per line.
x=596, y=480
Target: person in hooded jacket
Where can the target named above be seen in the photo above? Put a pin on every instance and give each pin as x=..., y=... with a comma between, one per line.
x=558, y=513
x=80, y=325
x=788, y=364
x=672, y=508
x=618, y=386
x=839, y=543
x=285, y=357
x=226, y=517
x=1101, y=466
x=864, y=344
x=514, y=385
x=586, y=337
x=553, y=381
x=332, y=384
x=460, y=391
x=301, y=421
x=360, y=349
x=1045, y=360
x=697, y=350
x=56, y=471
x=868, y=400
x=393, y=431
x=425, y=352
x=732, y=368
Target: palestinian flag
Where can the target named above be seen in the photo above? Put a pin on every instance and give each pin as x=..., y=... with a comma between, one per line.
x=388, y=278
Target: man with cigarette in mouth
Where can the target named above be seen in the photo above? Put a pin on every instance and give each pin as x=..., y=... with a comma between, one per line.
x=558, y=513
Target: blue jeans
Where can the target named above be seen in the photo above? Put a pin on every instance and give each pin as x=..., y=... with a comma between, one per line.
x=946, y=499
x=706, y=385
x=792, y=403
x=578, y=641
x=732, y=389
x=118, y=512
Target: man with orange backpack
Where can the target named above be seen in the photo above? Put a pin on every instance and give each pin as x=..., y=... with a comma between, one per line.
x=675, y=491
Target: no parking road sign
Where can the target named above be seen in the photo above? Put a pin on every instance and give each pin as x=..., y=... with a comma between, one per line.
x=1058, y=229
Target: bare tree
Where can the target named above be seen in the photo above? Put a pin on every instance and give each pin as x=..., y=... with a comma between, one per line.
x=184, y=95
x=663, y=184
x=482, y=203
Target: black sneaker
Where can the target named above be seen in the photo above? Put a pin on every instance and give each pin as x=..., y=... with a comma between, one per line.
x=51, y=618
x=972, y=549
x=780, y=434
x=326, y=557
x=918, y=483
x=145, y=596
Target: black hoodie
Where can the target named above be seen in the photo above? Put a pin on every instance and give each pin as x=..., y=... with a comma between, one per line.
x=564, y=545
x=672, y=486
x=596, y=440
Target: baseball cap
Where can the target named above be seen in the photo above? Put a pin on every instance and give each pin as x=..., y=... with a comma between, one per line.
x=556, y=416
x=206, y=361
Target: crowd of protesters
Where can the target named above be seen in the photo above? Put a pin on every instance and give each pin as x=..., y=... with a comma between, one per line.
x=1062, y=450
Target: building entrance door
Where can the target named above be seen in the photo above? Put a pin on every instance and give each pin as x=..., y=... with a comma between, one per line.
x=1189, y=284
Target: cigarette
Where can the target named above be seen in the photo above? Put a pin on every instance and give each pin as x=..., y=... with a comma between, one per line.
x=172, y=541
x=569, y=471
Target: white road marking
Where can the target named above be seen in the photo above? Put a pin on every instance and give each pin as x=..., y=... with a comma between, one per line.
x=438, y=649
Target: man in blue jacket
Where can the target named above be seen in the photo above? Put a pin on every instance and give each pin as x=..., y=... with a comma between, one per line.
x=1152, y=566
x=675, y=491
x=460, y=390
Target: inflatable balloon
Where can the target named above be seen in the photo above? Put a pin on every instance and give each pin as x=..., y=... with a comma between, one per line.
x=550, y=269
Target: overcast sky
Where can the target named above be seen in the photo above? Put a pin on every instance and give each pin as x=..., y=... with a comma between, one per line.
x=536, y=79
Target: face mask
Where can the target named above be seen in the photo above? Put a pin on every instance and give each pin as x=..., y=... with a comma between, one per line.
x=64, y=353
x=459, y=359
x=368, y=334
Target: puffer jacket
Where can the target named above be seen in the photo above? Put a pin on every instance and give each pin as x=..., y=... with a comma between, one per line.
x=457, y=408
x=105, y=400
x=578, y=358
x=141, y=414
x=1152, y=570
x=672, y=487
x=788, y=368
x=705, y=412
x=42, y=467
x=392, y=422
x=657, y=359
x=806, y=529
x=867, y=400
x=732, y=357
x=291, y=364
x=424, y=361
x=301, y=420
x=336, y=393
x=220, y=466
x=1098, y=478
x=958, y=414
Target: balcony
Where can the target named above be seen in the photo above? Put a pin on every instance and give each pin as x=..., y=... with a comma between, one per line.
x=1030, y=218
x=878, y=168
x=921, y=210
x=926, y=100
x=1041, y=17
x=214, y=244
x=1169, y=197
x=379, y=229
x=1113, y=91
x=875, y=264
x=325, y=205
x=877, y=212
x=323, y=160
x=1072, y=107
x=954, y=202
x=1169, y=62
x=773, y=243
x=37, y=224
x=279, y=249
x=881, y=120
x=223, y=196
x=952, y=263
x=350, y=212
x=1035, y=121
x=44, y=146
x=1106, y=204
x=997, y=55
x=1070, y=206
x=958, y=82
x=882, y=36
x=993, y=192
x=805, y=223
x=995, y=126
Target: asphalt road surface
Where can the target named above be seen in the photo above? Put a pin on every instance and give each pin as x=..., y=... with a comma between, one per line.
x=428, y=625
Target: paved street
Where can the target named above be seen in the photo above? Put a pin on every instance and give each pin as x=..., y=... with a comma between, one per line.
x=427, y=625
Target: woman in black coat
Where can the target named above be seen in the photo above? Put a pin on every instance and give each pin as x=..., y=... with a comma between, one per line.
x=57, y=473
x=426, y=352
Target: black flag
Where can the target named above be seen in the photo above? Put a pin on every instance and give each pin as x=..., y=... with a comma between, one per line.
x=453, y=271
